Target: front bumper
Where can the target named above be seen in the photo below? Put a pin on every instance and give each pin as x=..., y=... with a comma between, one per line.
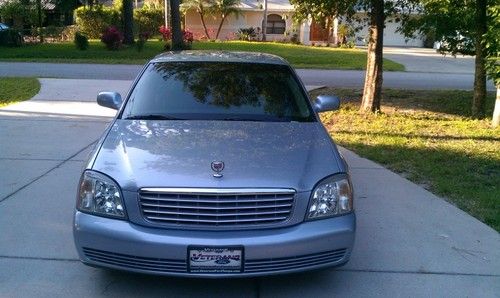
x=126, y=246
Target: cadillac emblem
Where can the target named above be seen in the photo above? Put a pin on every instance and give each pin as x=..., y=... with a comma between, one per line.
x=217, y=167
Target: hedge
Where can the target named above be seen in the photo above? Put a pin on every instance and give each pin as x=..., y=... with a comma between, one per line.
x=148, y=20
x=92, y=22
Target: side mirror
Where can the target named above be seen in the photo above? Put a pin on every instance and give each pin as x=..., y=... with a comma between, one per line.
x=112, y=100
x=324, y=103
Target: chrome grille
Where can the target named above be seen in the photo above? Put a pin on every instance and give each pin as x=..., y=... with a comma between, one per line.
x=296, y=262
x=216, y=207
x=135, y=262
x=260, y=266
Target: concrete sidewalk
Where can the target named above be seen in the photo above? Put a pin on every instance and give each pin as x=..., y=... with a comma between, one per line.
x=409, y=242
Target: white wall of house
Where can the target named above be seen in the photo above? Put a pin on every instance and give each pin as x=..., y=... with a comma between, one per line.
x=232, y=24
x=391, y=37
x=252, y=17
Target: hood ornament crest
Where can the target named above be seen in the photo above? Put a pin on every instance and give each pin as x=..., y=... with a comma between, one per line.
x=217, y=167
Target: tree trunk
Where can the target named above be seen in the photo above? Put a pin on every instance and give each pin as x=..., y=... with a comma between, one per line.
x=264, y=22
x=175, y=18
x=335, y=31
x=496, y=113
x=128, y=22
x=166, y=9
x=220, y=26
x=204, y=24
x=374, y=77
x=39, y=14
x=479, y=100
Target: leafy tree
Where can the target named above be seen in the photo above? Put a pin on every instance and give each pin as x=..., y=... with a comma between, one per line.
x=461, y=27
x=323, y=11
x=201, y=7
x=224, y=8
x=376, y=13
x=19, y=12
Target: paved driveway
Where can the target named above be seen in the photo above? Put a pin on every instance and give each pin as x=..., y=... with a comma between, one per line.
x=409, y=243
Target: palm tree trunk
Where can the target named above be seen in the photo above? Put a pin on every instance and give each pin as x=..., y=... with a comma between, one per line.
x=204, y=24
x=372, y=91
x=220, y=26
x=264, y=22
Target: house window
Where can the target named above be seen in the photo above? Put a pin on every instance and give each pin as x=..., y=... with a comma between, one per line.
x=275, y=24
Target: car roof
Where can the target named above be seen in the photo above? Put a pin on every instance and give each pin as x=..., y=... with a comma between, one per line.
x=219, y=56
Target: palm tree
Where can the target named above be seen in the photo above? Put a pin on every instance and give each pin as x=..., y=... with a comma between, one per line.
x=201, y=7
x=224, y=8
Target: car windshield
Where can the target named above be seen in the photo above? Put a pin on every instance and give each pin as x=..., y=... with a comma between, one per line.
x=218, y=91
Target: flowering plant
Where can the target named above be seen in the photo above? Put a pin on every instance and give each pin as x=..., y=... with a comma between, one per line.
x=112, y=38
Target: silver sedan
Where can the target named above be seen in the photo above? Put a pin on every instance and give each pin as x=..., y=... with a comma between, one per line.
x=216, y=165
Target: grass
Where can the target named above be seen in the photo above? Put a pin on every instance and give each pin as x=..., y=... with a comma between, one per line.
x=299, y=56
x=429, y=138
x=17, y=89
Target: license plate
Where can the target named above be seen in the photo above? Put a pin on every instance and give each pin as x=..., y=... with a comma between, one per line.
x=215, y=259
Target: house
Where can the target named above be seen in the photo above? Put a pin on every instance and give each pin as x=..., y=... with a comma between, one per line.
x=280, y=25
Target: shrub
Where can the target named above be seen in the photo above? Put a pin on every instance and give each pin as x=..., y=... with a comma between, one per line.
x=295, y=39
x=187, y=36
x=166, y=33
x=247, y=34
x=112, y=38
x=148, y=19
x=81, y=41
x=93, y=21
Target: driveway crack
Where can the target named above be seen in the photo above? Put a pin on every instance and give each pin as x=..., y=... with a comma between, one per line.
x=47, y=172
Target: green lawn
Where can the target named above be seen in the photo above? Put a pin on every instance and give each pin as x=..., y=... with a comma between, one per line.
x=17, y=89
x=298, y=56
x=429, y=138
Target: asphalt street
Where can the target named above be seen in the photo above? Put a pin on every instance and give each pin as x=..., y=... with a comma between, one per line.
x=332, y=78
x=409, y=243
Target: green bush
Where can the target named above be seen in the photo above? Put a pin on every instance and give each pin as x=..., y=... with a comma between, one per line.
x=81, y=41
x=247, y=34
x=11, y=37
x=92, y=22
x=148, y=20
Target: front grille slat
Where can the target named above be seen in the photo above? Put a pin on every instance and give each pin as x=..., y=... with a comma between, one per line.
x=180, y=266
x=214, y=208
x=218, y=214
x=220, y=208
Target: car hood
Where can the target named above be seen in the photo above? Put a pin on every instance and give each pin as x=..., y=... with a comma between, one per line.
x=139, y=153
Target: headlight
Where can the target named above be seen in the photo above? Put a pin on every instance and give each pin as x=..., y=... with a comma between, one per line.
x=332, y=196
x=100, y=195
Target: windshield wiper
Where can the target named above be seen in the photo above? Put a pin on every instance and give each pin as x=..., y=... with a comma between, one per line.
x=152, y=117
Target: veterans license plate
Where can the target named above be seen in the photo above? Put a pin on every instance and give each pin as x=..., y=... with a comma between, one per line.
x=215, y=259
